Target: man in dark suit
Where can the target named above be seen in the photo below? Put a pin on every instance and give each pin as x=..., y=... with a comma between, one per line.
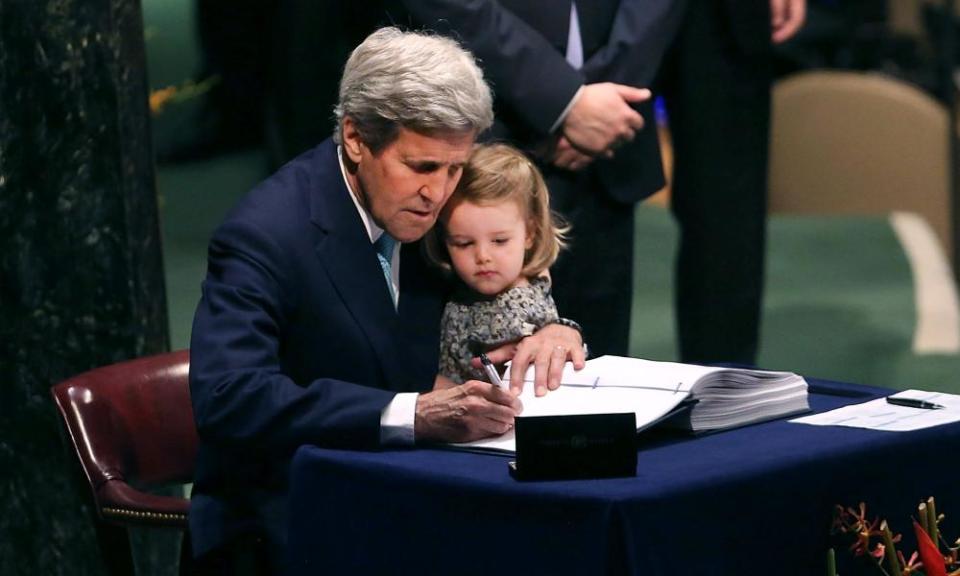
x=716, y=80
x=316, y=327
x=567, y=78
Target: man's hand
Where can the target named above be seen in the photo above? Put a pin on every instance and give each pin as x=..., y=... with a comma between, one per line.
x=565, y=156
x=601, y=119
x=441, y=382
x=786, y=17
x=467, y=412
x=548, y=350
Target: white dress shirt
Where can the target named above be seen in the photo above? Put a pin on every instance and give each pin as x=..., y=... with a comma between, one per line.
x=574, y=57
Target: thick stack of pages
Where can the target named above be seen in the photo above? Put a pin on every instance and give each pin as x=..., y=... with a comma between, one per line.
x=653, y=391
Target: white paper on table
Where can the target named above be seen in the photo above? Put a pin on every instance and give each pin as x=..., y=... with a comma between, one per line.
x=880, y=415
x=648, y=405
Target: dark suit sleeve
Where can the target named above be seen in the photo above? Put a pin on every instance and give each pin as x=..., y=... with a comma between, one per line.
x=527, y=72
x=241, y=396
x=642, y=31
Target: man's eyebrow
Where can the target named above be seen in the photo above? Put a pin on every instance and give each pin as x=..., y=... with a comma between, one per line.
x=425, y=166
x=422, y=162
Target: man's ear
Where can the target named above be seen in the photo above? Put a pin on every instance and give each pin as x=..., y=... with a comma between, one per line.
x=351, y=141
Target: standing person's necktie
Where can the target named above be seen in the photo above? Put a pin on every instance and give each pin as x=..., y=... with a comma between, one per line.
x=574, y=53
x=384, y=247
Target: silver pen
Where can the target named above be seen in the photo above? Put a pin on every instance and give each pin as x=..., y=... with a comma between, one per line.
x=491, y=371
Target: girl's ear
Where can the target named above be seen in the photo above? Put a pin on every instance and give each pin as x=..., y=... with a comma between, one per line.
x=528, y=240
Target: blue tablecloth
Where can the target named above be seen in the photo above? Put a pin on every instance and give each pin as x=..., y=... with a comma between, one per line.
x=756, y=500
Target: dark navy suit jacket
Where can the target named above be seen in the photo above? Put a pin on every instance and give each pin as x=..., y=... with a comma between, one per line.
x=296, y=341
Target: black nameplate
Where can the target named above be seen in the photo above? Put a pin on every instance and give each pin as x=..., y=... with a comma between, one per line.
x=581, y=446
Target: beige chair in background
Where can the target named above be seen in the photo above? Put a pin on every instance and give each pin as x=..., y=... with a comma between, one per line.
x=906, y=16
x=857, y=143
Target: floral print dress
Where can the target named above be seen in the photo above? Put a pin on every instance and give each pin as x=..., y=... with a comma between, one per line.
x=474, y=323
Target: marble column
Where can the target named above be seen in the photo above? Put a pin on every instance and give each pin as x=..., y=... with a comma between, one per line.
x=81, y=276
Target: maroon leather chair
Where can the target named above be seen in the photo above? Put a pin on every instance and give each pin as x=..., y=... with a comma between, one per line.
x=131, y=426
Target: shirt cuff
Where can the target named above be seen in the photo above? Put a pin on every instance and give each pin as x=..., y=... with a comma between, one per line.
x=563, y=115
x=396, y=420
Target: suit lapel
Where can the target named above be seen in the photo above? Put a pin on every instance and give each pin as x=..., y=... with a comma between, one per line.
x=596, y=20
x=422, y=295
x=349, y=259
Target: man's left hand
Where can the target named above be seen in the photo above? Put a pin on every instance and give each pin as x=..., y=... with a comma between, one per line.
x=548, y=350
x=567, y=157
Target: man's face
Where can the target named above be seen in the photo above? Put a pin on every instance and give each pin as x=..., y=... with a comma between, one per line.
x=404, y=185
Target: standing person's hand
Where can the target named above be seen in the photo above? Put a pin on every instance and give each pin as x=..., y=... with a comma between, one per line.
x=548, y=350
x=786, y=17
x=463, y=413
x=565, y=156
x=601, y=118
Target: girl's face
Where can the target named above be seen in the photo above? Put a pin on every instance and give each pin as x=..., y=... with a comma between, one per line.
x=487, y=244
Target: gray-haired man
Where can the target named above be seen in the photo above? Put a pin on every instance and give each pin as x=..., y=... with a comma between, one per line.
x=307, y=332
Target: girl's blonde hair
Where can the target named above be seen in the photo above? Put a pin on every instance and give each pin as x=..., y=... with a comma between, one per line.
x=496, y=173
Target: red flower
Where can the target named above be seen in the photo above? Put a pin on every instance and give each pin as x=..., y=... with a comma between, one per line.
x=854, y=521
x=933, y=563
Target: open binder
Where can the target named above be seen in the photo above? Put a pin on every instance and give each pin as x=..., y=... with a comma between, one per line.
x=683, y=396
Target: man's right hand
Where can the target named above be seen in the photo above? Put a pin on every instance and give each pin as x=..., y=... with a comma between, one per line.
x=601, y=119
x=464, y=413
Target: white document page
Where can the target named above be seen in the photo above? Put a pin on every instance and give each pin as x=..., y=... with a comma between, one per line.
x=648, y=405
x=880, y=415
x=623, y=371
x=619, y=371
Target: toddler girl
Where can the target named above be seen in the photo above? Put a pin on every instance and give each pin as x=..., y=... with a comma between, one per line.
x=498, y=234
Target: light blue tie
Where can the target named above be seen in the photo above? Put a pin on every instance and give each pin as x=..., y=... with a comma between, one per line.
x=384, y=247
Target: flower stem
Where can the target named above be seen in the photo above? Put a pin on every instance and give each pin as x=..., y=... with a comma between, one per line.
x=934, y=532
x=889, y=551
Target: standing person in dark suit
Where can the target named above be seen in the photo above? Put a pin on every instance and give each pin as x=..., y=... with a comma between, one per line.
x=316, y=327
x=567, y=78
x=716, y=79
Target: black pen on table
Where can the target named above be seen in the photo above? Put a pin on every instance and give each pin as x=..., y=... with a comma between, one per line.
x=913, y=403
x=491, y=371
